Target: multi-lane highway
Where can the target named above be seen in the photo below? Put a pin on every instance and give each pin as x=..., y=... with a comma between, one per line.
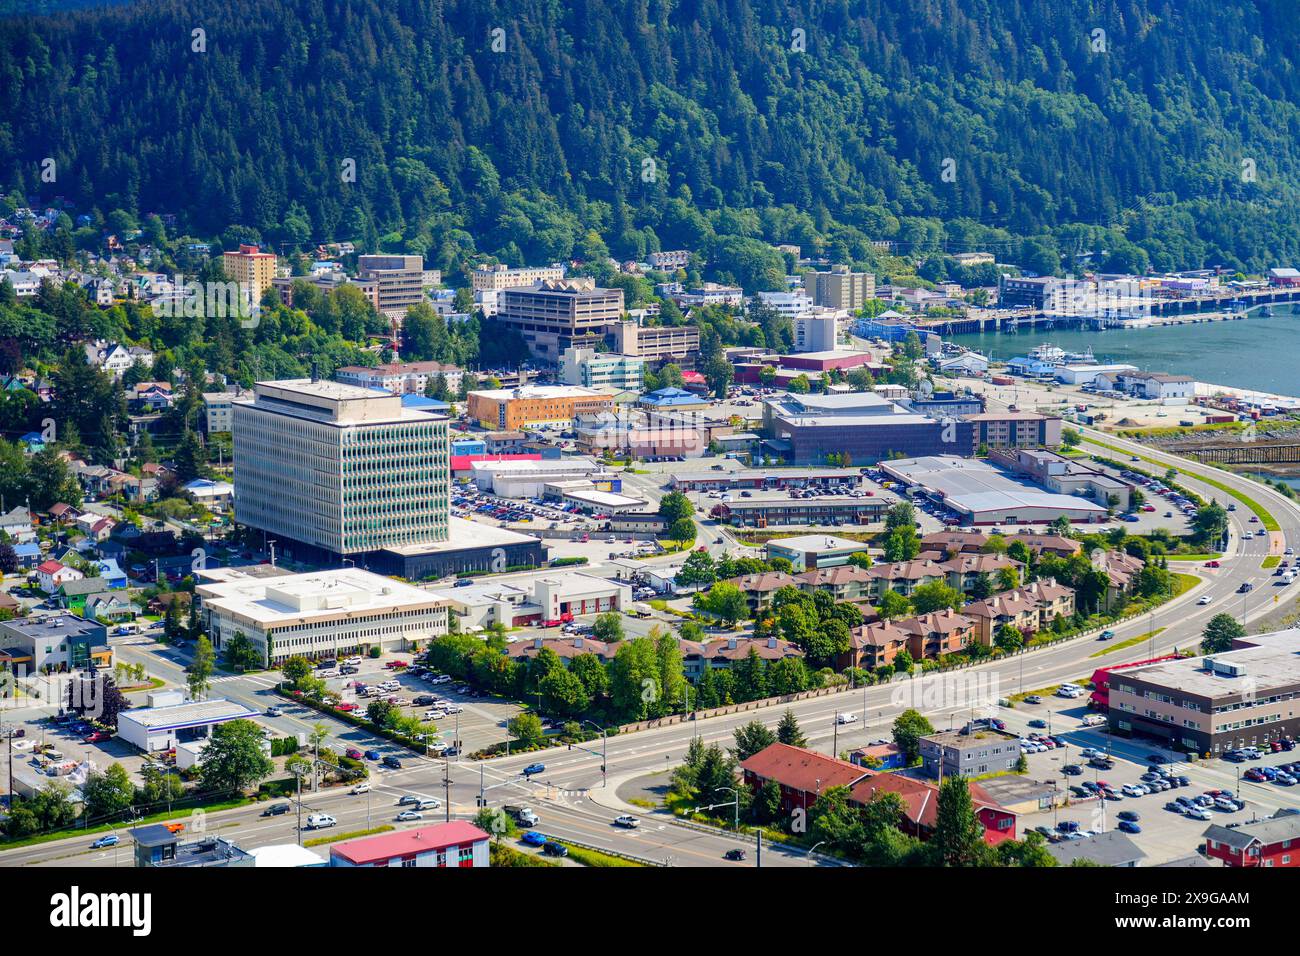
x=575, y=801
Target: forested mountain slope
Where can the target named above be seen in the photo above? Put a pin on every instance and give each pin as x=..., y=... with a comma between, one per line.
x=1140, y=142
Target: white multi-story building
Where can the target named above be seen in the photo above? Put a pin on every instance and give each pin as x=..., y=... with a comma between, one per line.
x=403, y=378
x=497, y=277
x=343, y=469
x=591, y=369
x=788, y=304
x=321, y=614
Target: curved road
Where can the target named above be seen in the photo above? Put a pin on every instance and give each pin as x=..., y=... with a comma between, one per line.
x=569, y=795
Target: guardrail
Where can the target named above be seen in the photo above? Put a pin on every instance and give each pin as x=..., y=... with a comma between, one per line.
x=614, y=853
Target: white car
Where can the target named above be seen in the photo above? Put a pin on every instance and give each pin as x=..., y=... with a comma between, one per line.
x=1205, y=599
x=627, y=821
x=316, y=821
x=846, y=718
x=435, y=714
x=1132, y=790
x=441, y=679
x=360, y=788
x=410, y=815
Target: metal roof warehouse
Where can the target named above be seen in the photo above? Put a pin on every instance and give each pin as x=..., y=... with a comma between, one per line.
x=981, y=494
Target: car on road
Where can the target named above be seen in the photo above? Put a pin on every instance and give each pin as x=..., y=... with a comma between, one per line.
x=1072, y=770
x=409, y=815
x=533, y=838
x=352, y=753
x=1205, y=599
x=274, y=712
x=360, y=788
x=846, y=718
x=276, y=809
x=374, y=755
x=317, y=821
x=627, y=822
x=533, y=768
x=1212, y=564
x=1038, y=722
x=109, y=840
x=736, y=854
x=392, y=763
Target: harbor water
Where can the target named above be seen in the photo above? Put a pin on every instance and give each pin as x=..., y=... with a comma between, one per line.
x=1256, y=352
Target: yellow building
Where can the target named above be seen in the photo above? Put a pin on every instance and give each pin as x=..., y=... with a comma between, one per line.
x=251, y=268
x=531, y=405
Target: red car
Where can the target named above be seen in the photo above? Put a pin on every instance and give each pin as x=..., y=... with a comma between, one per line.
x=394, y=664
x=96, y=737
x=352, y=753
x=1212, y=564
x=346, y=708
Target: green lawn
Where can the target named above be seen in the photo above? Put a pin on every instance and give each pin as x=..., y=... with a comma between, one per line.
x=351, y=835
x=1207, y=556
x=1269, y=522
x=1272, y=561
x=1131, y=642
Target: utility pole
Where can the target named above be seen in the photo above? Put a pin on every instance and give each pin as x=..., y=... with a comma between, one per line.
x=446, y=789
x=298, y=777
x=835, y=735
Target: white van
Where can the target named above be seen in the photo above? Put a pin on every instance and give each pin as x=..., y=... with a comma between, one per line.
x=846, y=718
x=316, y=821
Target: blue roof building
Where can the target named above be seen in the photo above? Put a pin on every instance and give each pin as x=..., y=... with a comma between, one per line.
x=673, y=398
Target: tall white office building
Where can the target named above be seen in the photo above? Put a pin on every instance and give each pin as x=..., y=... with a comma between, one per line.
x=339, y=468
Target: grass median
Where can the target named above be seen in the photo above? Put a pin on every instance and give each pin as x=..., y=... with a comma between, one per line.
x=1122, y=645
x=1267, y=519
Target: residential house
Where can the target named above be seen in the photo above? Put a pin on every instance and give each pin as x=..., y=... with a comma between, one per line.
x=1274, y=842
x=1028, y=609
x=50, y=575
x=107, y=607
x=1122, y=571
x=566, y=648
x=926, y=637
x=18, y=525
x=759, y=588
x=965, y=569
x=906, y=576
x=29, y=554
x=722, y=653
x=95, y=527
x=847, y=582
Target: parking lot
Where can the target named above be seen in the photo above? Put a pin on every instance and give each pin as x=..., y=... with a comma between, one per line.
x=1162, y=833
x=476, y=721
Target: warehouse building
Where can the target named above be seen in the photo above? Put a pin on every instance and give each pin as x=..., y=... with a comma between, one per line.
x=173, y=721
x=979, y=494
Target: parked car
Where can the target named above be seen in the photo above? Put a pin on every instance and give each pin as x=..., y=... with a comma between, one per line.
x=533, y=838
x=1033, y=699
x=392, y=763
x=374, y=755
x=1128, y=826
x=551, y=848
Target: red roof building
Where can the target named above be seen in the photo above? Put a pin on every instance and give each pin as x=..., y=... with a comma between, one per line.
x=454, y=844
x=804, y=774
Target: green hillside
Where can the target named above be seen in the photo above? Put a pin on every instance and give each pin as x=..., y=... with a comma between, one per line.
x=1137, y=146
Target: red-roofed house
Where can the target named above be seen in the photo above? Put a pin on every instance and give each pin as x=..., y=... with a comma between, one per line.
x=454, y=844
x=50, y=574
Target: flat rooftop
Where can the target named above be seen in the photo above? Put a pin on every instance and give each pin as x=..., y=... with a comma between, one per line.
x=533, y=392
x=1273, y=663
x=341, y=592
x=54, y=626
x=464, y=534
x=189, y=714
x=818, y=542
x=974, y=486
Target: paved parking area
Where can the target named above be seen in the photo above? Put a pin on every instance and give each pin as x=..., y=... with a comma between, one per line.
x=1165, y=835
